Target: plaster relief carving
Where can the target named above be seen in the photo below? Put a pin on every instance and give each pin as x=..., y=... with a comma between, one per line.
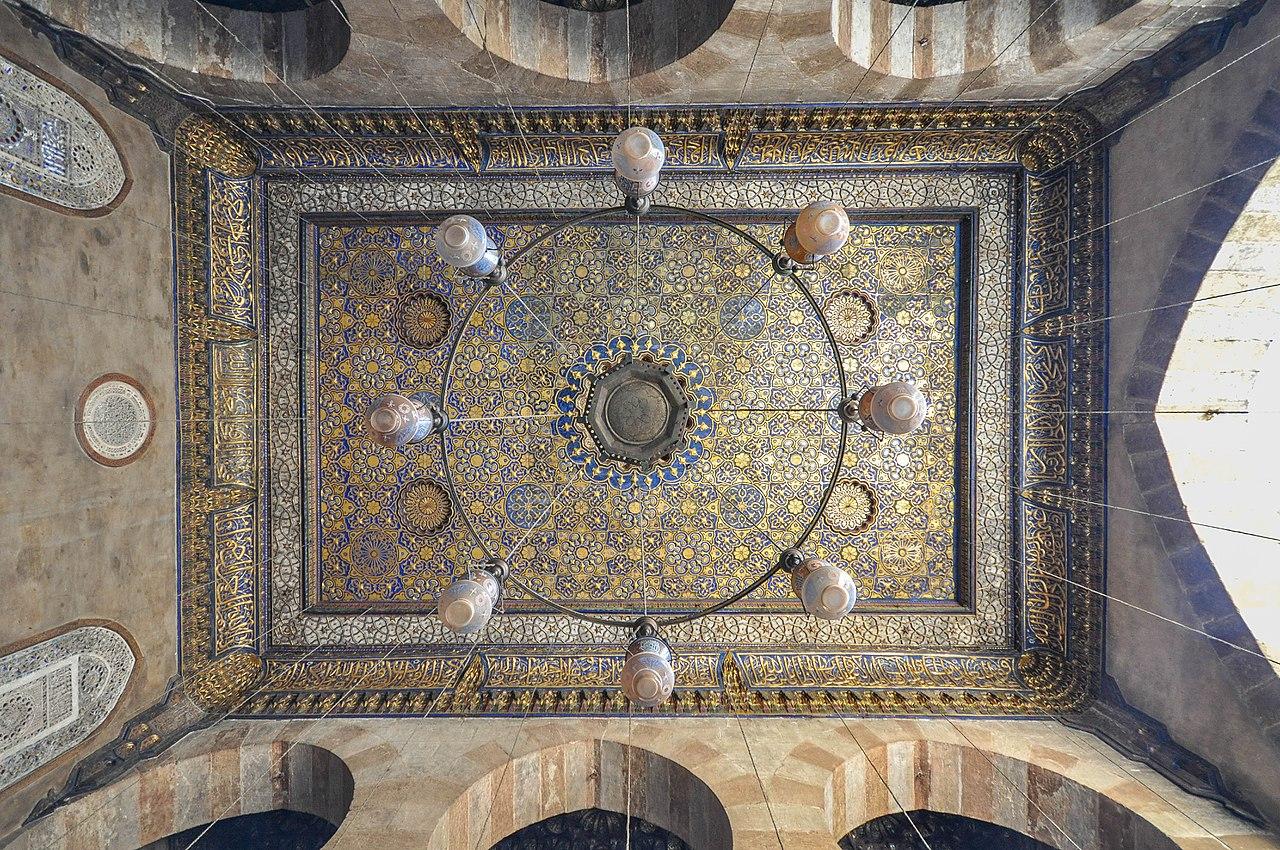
x=115, y=420
x=55, y=693
x=53, y=149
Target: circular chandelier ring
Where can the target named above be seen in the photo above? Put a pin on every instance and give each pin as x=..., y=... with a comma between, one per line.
x=827, y=489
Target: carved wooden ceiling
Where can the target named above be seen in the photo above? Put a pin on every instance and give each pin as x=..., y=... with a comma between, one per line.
x=311, y=556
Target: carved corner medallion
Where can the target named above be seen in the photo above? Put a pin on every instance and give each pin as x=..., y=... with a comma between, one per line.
x=271, y=235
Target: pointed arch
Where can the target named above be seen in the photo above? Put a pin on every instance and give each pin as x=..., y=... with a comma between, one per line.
x=580, y=775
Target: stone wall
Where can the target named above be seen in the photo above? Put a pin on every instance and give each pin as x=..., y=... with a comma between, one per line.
x=428, y=53
x=80, y=297
x=796, y=783
x=1184, y=142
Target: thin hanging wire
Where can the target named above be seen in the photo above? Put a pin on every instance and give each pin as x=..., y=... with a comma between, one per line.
x=506, y=768
x=170, y=420
x=126, y=785
x=240, y=797
x=1127, y=604
x=564, y=485
x=1058, y=495
x=302, y=100
x=1159, y=307
x=884, y=782
x=968, y=83
x=255, y=141
x=1102, y=752
x=1013, y=784
x=760, y=781
x=627, y=822
x=1171, y=97
x=1106, y=224
x=380, y=173
x=764, y=30
x=1207, y=412
x=906, y=14
x=450, y=688
x=1101, y=73
x=515, y=119
x=533, y=315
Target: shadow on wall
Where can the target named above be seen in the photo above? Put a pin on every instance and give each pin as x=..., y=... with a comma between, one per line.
x=278, y=830
x=588, y=44
x=261, y=41
x=941, y=831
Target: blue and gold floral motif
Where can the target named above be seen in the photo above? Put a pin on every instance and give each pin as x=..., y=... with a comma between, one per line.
x=742, y=317
x=527, y=505
x=585, y=299
x=571, y=403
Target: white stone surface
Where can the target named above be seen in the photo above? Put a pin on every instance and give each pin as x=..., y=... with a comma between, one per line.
x=55, y=693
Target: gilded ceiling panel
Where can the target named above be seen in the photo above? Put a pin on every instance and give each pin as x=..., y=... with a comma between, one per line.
x=971, y=265
x=703, y=524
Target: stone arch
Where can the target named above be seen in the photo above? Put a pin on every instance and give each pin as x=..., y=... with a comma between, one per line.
x=55, y=149
x=941, y=831
x=1098, y=807
x=586, y=40
x=578, y=775
x=225, y=39
x=57, y=689
x=990, y=773
x=1230, y=244
x=962, y=780
x=226, y=780
x=947, y=39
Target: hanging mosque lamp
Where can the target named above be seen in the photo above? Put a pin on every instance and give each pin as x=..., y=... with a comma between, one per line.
x=634, y=416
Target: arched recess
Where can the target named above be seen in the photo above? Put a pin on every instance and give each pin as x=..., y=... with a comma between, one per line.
x=587, y=829
x=280, y=829
x=586, y=40
x=56, y=690
x=940, y=831
x=55, y=150
x=170, y=797
x=1061, y=800
x=580, y=775
x=951, y=37
x=1226, y=359
x=1227, y=355
x=260, y=41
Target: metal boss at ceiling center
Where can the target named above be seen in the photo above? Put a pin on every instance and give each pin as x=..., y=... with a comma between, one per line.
x=638, y=413
x=639, y=401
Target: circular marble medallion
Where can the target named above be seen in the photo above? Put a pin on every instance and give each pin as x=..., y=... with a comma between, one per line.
x=852, y=315
x=422, y=319
x=115, y=420
x=852, y=507
x=424, y=506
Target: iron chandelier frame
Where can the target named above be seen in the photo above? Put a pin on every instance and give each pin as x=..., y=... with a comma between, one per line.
x=784, y=267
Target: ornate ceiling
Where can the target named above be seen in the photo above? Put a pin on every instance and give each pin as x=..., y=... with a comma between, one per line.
x=311, y=556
